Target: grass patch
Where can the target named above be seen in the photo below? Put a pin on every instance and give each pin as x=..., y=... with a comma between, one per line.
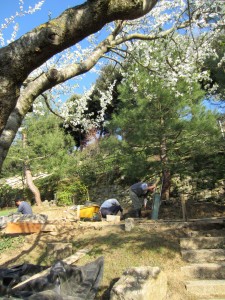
x=10, y=243
x=122, y=250
x=5, y=212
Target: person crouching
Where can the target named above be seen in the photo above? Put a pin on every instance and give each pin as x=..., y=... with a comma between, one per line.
x=110, y=207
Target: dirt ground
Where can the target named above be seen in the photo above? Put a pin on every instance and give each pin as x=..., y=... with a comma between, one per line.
x=170, y=210
x=32, y=245
x=62, y=215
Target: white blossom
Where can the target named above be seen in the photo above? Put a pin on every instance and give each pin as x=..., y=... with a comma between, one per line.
x=192, y=45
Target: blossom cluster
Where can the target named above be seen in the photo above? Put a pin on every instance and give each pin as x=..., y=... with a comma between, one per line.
x=12, y=20
x=182, y=35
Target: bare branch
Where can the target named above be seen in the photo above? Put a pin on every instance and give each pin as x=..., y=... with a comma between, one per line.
x=150, y=37
x=113, y=59
x=49, y=107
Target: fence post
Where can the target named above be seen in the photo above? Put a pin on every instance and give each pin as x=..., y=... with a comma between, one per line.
x=155, y=206
x=183, y=198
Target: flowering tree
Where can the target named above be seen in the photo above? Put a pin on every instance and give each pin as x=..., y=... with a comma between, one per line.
x=162, y=117
x=30, y=65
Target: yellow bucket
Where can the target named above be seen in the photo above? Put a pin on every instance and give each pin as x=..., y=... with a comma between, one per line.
x=88, y=212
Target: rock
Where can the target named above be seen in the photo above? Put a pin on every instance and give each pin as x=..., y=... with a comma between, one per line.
x=113, y=219
x=140, y=283
x=59, y=250
x=45, y=203
x=129, y=224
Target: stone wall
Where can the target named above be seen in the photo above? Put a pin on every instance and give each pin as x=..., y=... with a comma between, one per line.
x=188, y=187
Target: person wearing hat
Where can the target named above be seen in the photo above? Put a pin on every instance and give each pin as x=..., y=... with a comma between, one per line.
x=138, y=194
x=23, y=207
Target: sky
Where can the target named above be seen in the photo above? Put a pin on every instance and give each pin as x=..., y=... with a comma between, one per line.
x=30, y=21
x=27, y=23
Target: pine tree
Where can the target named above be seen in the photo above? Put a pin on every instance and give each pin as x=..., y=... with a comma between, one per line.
x=163, y=129
x=48, y=149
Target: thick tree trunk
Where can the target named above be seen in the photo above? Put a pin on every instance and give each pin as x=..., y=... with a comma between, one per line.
x=166, y=185
x=42, y=84
x=20, y=58
x=166, y=176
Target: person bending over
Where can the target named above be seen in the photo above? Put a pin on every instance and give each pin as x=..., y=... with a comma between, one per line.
x=138, y=194
x=110, y=207
x=23, y=206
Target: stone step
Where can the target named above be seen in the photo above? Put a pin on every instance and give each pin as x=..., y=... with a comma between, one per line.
x=206, y=288
x=202, y=243
x=205, y=271
x=217, y=298
x=208, y=225
x=203, y=255
x=206, y=233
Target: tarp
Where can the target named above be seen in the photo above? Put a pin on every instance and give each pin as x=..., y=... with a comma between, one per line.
x=62, y=282
x=18, y=217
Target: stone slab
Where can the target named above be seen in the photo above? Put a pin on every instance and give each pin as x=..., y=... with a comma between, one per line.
x=59, y=250
x=209, y=288
x=113, y=219
x=58, y=227
x=205, y=271
x=202, y=243
x=203, y=255
x=140, y=283
x=195, y=224
x=129, y=224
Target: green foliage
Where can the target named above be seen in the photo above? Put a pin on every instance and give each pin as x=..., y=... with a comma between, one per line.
x=64, y=198
x=217, y=71
x=48, y=186
x=98, y=164
x=72, y=192
x=7, y=195
x=7, y=242
x=163, y=128
x=154, y=127
x=125, y=163
x=48, y=149
x=6, y=212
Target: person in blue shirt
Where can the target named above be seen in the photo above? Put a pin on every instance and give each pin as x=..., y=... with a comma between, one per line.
x=110, y=207
x=23, y=207
x=138, y=194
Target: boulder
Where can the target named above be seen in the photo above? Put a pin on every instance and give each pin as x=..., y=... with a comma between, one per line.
x=140, y=283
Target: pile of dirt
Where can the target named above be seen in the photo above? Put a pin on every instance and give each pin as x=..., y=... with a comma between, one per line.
x=53, y=213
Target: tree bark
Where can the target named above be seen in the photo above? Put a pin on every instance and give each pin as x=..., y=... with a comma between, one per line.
x=20, y=58
x=30, y=183
x=166, y=176
x=29, y=52
x=28, y=175
x=44, y=82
